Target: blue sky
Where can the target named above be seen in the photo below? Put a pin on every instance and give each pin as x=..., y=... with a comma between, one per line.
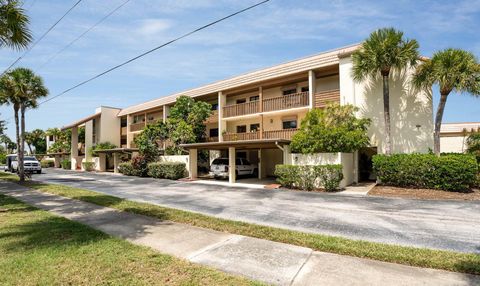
x=273, y=33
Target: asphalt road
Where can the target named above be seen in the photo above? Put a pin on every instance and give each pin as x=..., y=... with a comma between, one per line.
x=449, y=225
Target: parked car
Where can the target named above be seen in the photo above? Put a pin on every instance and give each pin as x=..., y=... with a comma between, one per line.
x=219, y=167
x=30, y=164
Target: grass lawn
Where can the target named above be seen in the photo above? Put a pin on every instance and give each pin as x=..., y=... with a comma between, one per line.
x=38, y=248
x=447, y=260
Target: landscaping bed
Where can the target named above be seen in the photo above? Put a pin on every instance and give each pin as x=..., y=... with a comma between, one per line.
x=424, y=194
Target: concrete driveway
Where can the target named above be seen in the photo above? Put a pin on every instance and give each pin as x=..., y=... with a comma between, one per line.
x=449, y=225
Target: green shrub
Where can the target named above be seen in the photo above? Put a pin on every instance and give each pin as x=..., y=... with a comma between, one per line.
x=127, y=169
x=167, y=170
x=3, y=159
x=47, y=164
x=309, y=177
x=66, y=164
x=448, y=172
x=88, y=166
x=140, y=166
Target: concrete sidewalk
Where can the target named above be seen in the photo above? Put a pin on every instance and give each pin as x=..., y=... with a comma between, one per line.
x=262, y=260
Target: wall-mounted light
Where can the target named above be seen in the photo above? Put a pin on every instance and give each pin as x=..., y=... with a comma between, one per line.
x=418, y=126
x=271, y=120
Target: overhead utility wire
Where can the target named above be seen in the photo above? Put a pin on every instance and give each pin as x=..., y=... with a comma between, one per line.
x=41, y=37
x=83, y=34
x=152, y=50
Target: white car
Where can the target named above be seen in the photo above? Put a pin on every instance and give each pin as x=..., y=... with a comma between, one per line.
x=219, y=168
x=30, y=164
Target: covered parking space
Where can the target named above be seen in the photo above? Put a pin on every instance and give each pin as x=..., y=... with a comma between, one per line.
x=232, y=147
x=103, y=164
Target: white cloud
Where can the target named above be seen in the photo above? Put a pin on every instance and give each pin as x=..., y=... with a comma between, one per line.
x=152, y=27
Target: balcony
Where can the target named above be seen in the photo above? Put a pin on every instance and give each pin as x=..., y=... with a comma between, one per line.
x=286, y=102
x=137, y=126
x=271, y=134
x=213, y=117
x=123, y=131
x=323, y=98
x=241, y=109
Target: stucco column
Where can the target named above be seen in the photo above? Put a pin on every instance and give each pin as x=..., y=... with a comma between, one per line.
x=116, y=161
x=260, y=164
x=192, y=163
x=129, y=134
x=231, y=165
x=56, y=162
x=74, y=148
x=88, y=140
x=222, y=124
x=311, y=88
x=166, y=112
x=102, y=162
x=287, y=155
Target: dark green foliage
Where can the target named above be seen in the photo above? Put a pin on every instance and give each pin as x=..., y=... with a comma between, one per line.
x=448, y=172
x=126, y=168
x=309, y=177
x=332, y=129
x=102, y=146
x=66, y=164
x=3, y=158
x=140, y=166
x=167, y=170
x=150, y=141
x=473, y=145
x=47, y=164
x=88, y=166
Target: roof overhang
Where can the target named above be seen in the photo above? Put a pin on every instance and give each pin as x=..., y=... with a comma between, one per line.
x=81, y=121
x=246, y=144
x=117, y=150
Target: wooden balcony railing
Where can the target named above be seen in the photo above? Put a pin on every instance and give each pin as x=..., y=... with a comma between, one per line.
x=123, y=131
x=325, y=97
x=286, y=101
x=213, y=117
x=241, y=109
x=241, y=136
x=212, y=139
x=279, y=134
x=137, y=126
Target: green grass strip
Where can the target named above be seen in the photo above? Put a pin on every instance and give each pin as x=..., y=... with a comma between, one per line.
x=421, y=257
x=39, y=248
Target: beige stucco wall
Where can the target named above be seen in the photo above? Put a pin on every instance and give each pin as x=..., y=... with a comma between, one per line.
x=109, y=126
x=408, y=108
x=455, y=144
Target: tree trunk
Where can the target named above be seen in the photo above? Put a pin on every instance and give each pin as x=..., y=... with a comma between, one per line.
x=20, y=166
x=386, y=113
x=438, y=123
x=30, y=148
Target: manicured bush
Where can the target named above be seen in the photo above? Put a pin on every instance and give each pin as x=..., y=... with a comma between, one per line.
x=88, y=166
x=309, y=177
x=127, y=169
x=66, y=164
x=140, y=165
x=3, y=158
x=167, y=170
x=455, y=172
x=47, y=164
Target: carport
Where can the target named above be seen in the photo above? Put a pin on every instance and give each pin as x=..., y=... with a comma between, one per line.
x=232, y=147
x=102, y=155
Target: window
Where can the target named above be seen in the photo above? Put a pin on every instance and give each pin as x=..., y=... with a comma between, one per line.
x=289, y=124
x=123, y=122
x=254, y=127
x=220, y=161
x=50, y=138
x=214, y=106
x=305, y=89
x=213, y=132
x=243, y=100
x=242, y=129
x=255, y=98
x=289, y=91
x=138, y=118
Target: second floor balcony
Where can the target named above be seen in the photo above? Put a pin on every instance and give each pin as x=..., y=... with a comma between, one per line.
x=267, y=134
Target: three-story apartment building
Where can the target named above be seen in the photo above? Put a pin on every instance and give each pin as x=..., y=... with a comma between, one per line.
x=255, y=114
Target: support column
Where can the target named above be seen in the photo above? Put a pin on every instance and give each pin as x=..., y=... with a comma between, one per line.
x=88, y=140
x=231, y=165
x=222, y=124
x=102, y=162
x=129, y=134
x=74, y=148
x=56, y=162
x=192, y=163
x=116, y=161
x=260, y=164
x=260, y=97
x=166, y=113
x=287, y=155
x=311, y=88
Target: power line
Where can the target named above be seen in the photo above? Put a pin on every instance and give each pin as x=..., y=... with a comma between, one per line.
x=81, y=35
x=152, y=50
x=41, y=37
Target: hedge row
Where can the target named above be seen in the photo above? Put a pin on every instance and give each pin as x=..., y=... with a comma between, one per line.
x=309, y=177
x=160, y=170
x=47, y=164
x=448, y=172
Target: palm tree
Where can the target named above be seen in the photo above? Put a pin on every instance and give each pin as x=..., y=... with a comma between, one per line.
x=21, y=88
x=35, y=138
x=9, y=144
x=452, y=70
x=14, y=31
x=383, y=52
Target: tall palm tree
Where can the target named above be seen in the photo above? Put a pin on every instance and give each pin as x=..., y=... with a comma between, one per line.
x=383, y=52
x=21, y=88
x=14, y=31
x=35, y=138
x=452, y=70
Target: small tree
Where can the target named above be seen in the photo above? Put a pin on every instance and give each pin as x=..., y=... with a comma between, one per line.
x=332, y=129
x=150, y=141
x=473, y=144
x=189, y=112
x=36, y=138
